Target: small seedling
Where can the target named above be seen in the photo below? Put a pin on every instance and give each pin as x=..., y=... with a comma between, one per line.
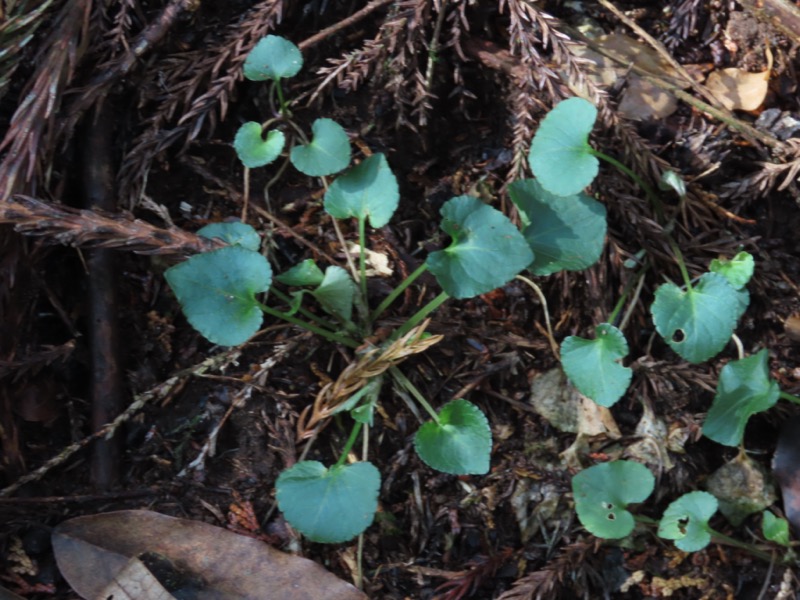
x=775, y=529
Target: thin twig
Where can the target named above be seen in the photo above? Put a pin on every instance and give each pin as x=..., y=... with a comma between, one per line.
x=352, y=19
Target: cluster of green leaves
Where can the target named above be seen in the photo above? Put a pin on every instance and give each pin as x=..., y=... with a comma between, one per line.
x=221, y=293
x=696, y=320
x=604, y=492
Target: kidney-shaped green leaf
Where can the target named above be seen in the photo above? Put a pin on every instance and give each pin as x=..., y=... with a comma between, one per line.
x=235, y=233
x=686, y=521
x=273, y=57
x=697, y=323
x=460, y=444
x=336, y=292
x=566, y=233
x=255, y=151
x=593, y=365
x=303, y=273
x=329, y=505
x=327, y=153
x=775, y=529
x=603, y=492
x=560, y=156
x=744, y=389
x=217, y=292
x=368, y=190
x=487, y=251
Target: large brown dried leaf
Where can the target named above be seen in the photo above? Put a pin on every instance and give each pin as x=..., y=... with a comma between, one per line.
x=216, y=563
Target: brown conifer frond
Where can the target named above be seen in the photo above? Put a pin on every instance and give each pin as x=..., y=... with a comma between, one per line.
x=352, y=69
x=93, y=229
x=16, y=31
x=30, y=135
x=196, y=88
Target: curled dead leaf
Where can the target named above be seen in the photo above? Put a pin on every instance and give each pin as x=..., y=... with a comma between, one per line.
x=148, y=554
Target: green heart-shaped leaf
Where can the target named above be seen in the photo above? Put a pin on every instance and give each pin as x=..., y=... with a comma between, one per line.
x=593, y=365
x=744, y=389
x=329, y=505
x=304, y=273
x=697, y=323
x=460, y=444
x=487, y=251
x=737, y=271
x=566, y=233
x=253, y=150
x=336, y=292
x=368, y=190
x=603, y=492
x=234, y=233
x=686, y=521
x=775, y=529
x=560, y=156
x=217, y=292
x=273, y=57
x=327, y=153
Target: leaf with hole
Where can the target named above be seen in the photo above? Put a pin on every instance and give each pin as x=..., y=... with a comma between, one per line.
x=737, y=270
x=775, y=529
x=697, y=323
x=603, y=492
x=744, y=389
x=686, y=521
x=561, y=158
x=217, y=291
x=233, y=233
x=460, y=443
x=329, y=505
x=486, y=251
x=273, y=57
x=326, y=154
x=593, y=365
x=368, y=190
x=336, y=292
x=255, y=151
x=302, y=274
x=565, y=233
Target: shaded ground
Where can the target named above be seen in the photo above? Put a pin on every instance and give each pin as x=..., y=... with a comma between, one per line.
x=459, y=125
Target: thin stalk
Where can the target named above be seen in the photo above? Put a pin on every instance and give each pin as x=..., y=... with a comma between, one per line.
x=624, y=296
x=412, y=389
x=538, y=291
x=245, y=194
x=652, y=195
x=789, y=397
x=303, y=311
x=724, y=539
x=636, y=293
x=420, y=315
x=397, y=291
x=362, y=258
x=655, y=200
x=281, y=101
x=328, y=335
x=348, y=444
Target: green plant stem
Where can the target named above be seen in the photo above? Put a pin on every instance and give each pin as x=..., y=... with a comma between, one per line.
x=397, y=291
x=789, y=397
x=303, y=311
x=362, y=258
x=624, y=296
x=406, y=383
x=655, y=200
x=420, y=315
x=348, y=444
x=281, y=101
x=328, y=335
x=652, y=195
x=724, y=539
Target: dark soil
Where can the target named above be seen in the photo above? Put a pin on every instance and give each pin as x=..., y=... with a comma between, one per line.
x=160, y=129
